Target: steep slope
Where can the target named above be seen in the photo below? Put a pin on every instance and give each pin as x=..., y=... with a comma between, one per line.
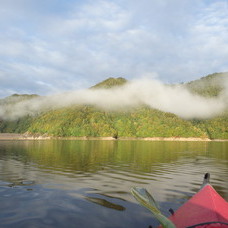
x=89, y=121
x=210, y=85
x=86, y=120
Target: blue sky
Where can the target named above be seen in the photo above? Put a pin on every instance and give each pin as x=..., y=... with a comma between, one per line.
x=49, y=46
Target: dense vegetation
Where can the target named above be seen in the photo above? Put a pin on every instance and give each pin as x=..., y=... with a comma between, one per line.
x=208, y=86
x=110, y=83
x=88, y=121
x=16, y=98
x=85, y=120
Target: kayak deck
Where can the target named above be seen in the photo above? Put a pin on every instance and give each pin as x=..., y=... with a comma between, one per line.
x=205, y=209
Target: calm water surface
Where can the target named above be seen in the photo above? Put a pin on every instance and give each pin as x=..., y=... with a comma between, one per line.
x=87, y=184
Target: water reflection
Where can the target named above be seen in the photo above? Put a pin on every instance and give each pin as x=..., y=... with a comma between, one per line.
x=87, y=183
x=105, y=203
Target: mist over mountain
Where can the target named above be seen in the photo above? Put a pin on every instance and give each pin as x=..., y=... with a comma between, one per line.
x=202, y=99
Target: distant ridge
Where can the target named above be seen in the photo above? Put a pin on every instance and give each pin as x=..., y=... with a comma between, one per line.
x=110, y=83
x=14, y=98
x=210, y=85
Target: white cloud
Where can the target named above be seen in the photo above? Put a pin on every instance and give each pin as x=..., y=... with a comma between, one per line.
x=150, y=92
x=78, y=43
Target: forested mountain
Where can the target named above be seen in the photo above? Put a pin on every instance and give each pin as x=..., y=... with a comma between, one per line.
x=210, y=85
x=110, y=83
x=15, y=98
x=143, y=121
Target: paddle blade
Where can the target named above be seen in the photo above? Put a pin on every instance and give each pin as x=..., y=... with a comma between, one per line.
x=146, y=200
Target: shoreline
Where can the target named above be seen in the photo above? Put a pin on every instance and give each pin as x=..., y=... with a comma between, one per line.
x=14, y=136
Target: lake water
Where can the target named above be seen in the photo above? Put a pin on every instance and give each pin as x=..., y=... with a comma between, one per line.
x=86, y=184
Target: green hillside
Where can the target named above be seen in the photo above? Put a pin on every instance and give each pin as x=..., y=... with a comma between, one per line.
x=208, y=86
x=86, y=120
x=110, y=83
x=15, y=98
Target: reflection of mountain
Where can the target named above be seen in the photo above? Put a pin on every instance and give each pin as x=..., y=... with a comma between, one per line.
x=116, y=166
x=88, y=183
x=92, y=156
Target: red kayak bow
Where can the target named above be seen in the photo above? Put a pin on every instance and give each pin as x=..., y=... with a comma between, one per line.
x=206, y=209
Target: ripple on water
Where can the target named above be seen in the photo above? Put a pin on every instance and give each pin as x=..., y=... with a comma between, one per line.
x=75, y=184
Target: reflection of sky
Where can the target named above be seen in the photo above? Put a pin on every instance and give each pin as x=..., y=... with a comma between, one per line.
x=97, y=197
x=44, y=207
x=48, y=46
